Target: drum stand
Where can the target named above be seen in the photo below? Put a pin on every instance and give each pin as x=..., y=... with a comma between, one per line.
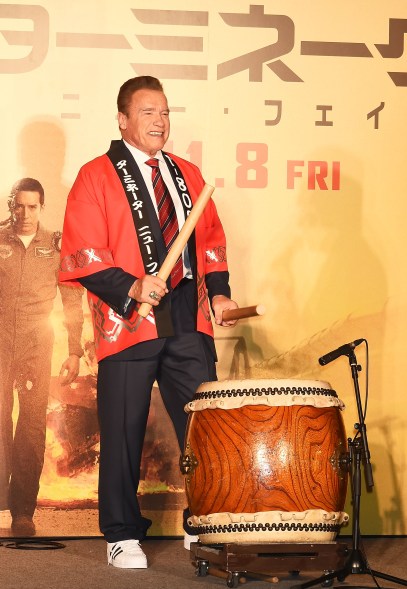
x=356, y=564
x=237, y=562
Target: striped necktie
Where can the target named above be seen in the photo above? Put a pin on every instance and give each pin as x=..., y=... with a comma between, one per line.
x=167, y=217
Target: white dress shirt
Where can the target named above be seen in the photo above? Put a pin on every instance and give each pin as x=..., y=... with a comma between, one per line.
x=141, y=158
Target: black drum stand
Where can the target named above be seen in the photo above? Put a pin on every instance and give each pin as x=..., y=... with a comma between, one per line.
x=236, y=562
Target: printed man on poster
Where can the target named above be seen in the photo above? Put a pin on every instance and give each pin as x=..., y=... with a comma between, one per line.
x=29, y=261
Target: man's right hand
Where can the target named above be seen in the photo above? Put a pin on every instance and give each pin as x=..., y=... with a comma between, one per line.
x=142, y=289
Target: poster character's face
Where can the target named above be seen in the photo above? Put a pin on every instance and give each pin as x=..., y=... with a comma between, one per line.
x=26, y=212
x=147, y=122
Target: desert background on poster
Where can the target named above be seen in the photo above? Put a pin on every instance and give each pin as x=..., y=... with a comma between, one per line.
x=296, y=114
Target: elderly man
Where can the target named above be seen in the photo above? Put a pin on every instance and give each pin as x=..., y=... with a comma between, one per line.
x=124, y=212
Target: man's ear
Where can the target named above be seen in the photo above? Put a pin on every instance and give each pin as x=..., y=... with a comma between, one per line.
x=122, y=120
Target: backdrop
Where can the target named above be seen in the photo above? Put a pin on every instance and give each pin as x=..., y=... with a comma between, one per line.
x=295, y=112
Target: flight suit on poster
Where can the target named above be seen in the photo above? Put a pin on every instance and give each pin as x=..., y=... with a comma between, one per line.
x=28, y=287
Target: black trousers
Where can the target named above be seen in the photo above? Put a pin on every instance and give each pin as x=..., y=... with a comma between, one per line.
x=124, y=393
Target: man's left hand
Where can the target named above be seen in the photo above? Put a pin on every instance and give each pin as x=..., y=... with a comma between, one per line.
x=220, y=303
x=69, y=369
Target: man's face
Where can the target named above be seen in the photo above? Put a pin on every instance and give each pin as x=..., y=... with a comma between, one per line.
x=26, y=212
x=147, y=124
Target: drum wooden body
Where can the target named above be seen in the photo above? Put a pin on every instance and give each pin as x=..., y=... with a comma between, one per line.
x=262, y=461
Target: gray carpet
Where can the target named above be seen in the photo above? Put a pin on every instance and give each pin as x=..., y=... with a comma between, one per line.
x=82, y=564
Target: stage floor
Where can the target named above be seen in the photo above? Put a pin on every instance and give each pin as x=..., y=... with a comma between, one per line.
x=82, y=565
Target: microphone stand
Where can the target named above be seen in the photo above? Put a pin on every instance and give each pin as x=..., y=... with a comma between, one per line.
x=356, y=563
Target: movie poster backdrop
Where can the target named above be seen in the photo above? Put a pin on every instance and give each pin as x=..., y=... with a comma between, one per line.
x=295, y=112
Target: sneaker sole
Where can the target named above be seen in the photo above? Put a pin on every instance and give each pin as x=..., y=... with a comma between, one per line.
x=121, y=566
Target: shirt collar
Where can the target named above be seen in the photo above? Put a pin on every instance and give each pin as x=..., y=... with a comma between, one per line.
x=140, y=156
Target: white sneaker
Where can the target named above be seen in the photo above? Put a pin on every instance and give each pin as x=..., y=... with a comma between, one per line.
x=188, y=539
x=126, y=554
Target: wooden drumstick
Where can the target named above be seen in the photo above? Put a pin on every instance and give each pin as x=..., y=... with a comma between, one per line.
x=181, y=240
x=232, y=314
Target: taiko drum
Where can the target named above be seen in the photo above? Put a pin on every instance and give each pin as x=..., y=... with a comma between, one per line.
x=263, y=461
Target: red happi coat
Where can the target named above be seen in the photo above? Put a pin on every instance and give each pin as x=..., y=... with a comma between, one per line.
x=99, y=233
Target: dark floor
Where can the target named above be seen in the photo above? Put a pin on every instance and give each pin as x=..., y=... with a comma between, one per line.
x=82, y=564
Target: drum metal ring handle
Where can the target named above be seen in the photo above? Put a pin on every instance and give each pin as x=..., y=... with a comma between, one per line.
x=339, y=461
x=188, y=461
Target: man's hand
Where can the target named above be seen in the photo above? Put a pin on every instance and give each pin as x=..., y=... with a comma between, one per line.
x=69, y=369
x=149, y=289
x=221, y=303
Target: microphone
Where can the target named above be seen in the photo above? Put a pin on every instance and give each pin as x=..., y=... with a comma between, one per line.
x=341, y=351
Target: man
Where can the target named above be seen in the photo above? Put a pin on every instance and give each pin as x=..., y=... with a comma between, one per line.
x=29, y=262
x=115, y=239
